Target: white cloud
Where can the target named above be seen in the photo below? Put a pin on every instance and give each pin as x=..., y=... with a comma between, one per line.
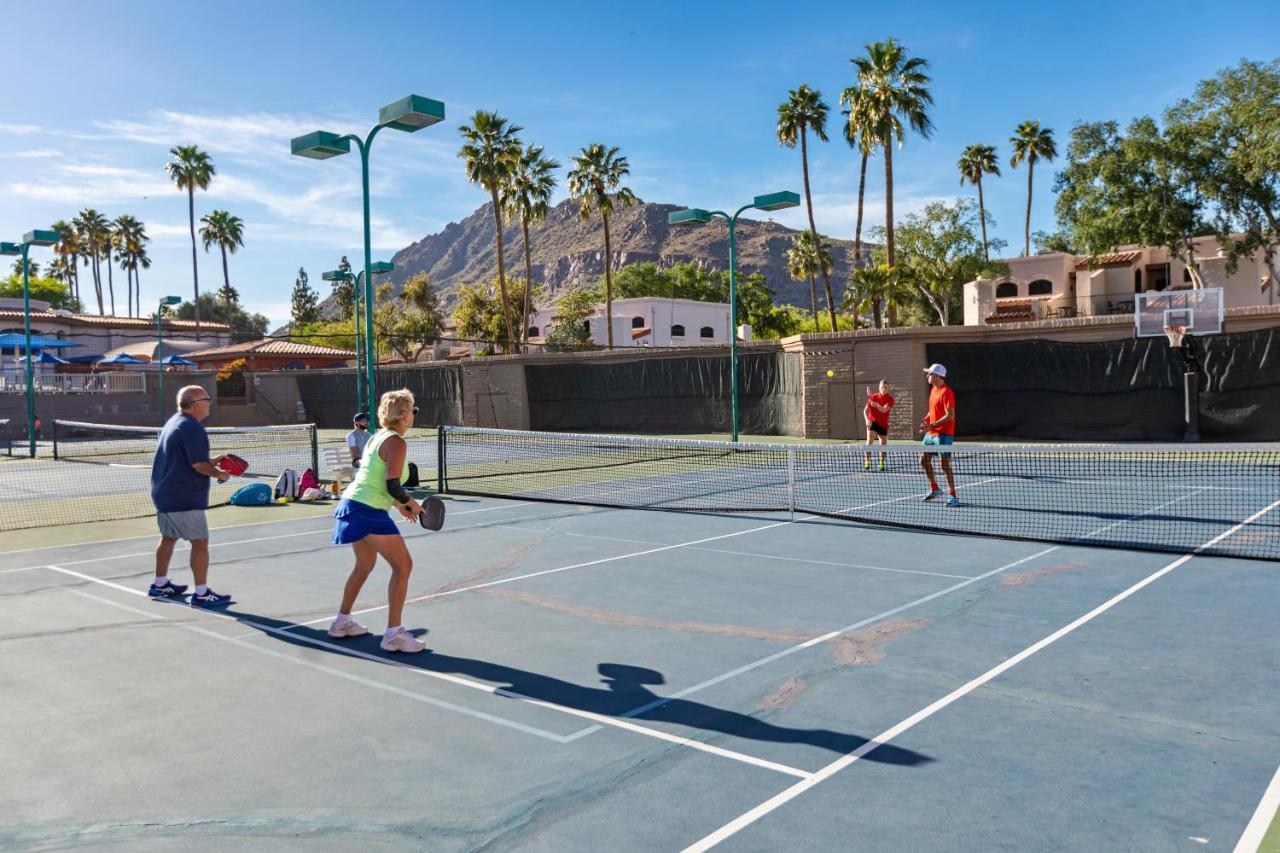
x=35, y=153
x=246, y=133
x=20, y=129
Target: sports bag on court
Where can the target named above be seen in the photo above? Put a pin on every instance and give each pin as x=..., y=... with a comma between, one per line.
x=254, y=494
x=307, y=481
x=412, y=482
x=287, y=484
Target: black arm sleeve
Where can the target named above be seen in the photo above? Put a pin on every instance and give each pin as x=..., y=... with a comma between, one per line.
x=397, y=491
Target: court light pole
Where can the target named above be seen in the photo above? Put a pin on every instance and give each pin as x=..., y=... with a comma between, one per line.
x=379, y=268
x=31, y=238
x=409, y=114
x=698, y=216
x=165, y=301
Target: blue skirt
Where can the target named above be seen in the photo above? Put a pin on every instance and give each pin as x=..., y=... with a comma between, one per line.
x=356, y=521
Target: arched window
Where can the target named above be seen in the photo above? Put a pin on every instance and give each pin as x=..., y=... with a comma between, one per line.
x=1005, y=289
x=1040, y=287
x=637, y=322
x=707, y=332
x=677, y=331
x=586, y=324
x=533, y=331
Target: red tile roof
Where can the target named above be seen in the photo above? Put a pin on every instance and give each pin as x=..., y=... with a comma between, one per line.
x=1112, y=260
x=271, y=347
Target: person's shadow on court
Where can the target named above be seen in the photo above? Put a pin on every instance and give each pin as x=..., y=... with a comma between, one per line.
x=626, y=694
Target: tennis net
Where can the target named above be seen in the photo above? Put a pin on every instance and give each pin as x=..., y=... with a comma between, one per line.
x=6, y=440
x=1210, y=499
x=102, y=472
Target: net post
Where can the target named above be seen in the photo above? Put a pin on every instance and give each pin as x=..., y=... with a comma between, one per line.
x=315, y=451
x=55, y=439
x=791, y=482
x=440, y=478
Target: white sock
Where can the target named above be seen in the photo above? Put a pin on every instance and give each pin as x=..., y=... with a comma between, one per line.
x=202, y=588
x=392, y=631
x=160, y=583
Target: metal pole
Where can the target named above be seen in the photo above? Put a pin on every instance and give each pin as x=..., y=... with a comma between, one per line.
x=1191, y=406
x=733, y=324
x=160, y=360
x=360, y=400
x=370, y=357
x=26, y=324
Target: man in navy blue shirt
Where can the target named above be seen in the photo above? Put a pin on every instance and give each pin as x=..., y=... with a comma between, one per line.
x=180, y=479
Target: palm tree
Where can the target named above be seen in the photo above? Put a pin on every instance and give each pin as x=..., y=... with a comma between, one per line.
x=191, y=169
x=806, y=258
x=898, y=89
x=491, y=151
x=1031, y=143
x=67, y=251
x=597, y=172
x=131, y=239
x=873, y=287
x=863, y=130
x=527, y=195
x=93, y=229
x=33, y=268
x=976, y=161
x=804, y=111
x=227, y=232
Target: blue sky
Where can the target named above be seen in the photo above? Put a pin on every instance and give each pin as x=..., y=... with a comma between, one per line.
x=97, y=93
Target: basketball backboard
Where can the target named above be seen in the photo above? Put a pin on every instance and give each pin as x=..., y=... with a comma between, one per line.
x=1199, y=312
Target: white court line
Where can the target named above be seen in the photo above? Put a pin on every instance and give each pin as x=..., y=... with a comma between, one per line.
x=367, y=682
x=769, y=805
x=185, y=549
x=1268, y=806
x=599, y=719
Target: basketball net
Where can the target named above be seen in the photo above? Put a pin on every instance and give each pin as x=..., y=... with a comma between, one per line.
x=1175, y=335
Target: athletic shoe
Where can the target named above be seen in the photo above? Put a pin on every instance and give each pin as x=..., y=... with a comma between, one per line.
x=953, y=501
x=933, y=494
x=402, y=641
x=882, y=465
x=866, y=466
x=169, y=590
x=209, y=599
x=348, y=628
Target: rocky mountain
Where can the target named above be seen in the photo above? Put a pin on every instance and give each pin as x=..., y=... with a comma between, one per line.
x=567, y=250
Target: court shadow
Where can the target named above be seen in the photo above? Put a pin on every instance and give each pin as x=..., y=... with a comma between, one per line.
x=626, y=693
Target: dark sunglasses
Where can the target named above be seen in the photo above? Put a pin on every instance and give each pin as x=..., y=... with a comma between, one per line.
x=415, y=410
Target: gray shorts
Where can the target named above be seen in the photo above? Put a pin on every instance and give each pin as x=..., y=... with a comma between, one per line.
x=189, y=525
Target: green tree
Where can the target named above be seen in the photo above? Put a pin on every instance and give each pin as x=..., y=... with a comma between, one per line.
x=68, y=252
x=491, y=151
x=804, y=111
x=131, y=250
x=940, y=251
x=344, y=292
x=1230, y=131
x=1047, y=242
x=527, y=197
x=898, y=89
x=1135, y=187
x=570, y=332
x=639, y=280
x=306, y=302
x=413, y=324
x=191, y=169
x=93, y=229
x=596, y=182
x=33, y=267
x=976, y=161
x=220, y=228
x=477, y=315
x=872, y=287
x=1031, y=143
x=44, y=289
x=244, y=326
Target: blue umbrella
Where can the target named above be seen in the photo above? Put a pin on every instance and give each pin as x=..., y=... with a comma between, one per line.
x=10, y=340
x=121, y=358
x=46, y=358
x=177, y=359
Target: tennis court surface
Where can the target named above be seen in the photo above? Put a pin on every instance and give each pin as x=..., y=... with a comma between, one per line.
x=812, y=674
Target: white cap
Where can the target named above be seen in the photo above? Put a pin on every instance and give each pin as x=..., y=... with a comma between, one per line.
x=937, y=369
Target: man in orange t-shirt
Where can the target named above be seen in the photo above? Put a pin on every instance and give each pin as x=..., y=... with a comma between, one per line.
x=939, y=428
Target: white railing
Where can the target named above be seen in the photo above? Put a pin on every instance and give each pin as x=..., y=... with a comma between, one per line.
x=75, y=383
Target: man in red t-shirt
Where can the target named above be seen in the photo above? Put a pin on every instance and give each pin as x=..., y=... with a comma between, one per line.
x=939, y=428
x=876, y=413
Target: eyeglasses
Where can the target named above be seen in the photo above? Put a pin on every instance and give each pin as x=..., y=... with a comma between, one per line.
x=415, y=410
x=201, y=400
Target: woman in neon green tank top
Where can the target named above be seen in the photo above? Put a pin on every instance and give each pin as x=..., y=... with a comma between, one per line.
x=364, y=523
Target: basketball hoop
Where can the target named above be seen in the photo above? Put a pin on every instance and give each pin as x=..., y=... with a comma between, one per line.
x=1175, y=335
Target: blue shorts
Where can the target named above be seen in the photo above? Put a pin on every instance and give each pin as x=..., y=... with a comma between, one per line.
x=939, y=440
x=356, y=521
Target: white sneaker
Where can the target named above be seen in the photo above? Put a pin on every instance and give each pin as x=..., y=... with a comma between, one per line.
x=347, y=628
x=402, y=641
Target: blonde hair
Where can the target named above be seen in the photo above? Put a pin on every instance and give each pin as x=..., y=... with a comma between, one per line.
x=394, y=407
